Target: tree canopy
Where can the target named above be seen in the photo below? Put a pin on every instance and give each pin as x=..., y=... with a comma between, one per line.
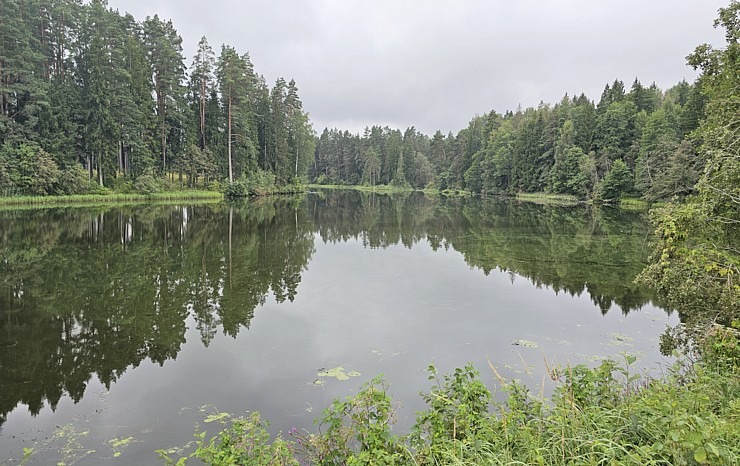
x=92, y=99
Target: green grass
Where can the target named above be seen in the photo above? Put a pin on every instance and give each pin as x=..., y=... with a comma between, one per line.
x=636, y=203
x=112, y=198
x=385, y=188
x=380, y=188
x=547, y=198
x=633, y=203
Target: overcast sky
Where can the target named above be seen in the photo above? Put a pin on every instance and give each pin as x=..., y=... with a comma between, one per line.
x=435, y=64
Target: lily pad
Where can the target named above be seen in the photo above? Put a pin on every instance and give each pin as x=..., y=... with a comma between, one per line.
x=621, y=340
x=338, y=373
x=526, y=344
x=120, y=442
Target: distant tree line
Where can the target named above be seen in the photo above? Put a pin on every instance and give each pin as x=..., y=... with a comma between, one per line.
x=638, y=142
x=90, y=98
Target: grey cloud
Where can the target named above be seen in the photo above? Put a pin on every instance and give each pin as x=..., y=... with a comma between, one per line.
x=435, y=64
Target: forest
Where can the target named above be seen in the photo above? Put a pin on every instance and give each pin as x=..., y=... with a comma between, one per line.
x=637, y=142
x=92, y=101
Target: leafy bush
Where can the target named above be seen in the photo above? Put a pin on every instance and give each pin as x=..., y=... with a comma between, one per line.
x=458, y=408
x=215, y=186
x=261, y=183
x=148, y=183
x=243, y=440
x=76, y=180
x=618, y=181
x=123, y=185
x=357, y=431
x=30, y=170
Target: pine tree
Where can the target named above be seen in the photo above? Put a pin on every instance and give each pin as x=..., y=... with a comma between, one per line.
x=201, y=84
x=164, y=50
x=22, y=88
x=96, y=75
x=236, y=83
x=618, y=181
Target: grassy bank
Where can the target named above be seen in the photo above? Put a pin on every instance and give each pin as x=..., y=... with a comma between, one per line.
x=384, y=188
x=380, y=188
x=96, y=199
x=546, y=198
x=603, y=415
x=636, y=203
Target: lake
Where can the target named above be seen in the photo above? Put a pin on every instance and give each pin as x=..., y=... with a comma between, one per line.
x=122, y=327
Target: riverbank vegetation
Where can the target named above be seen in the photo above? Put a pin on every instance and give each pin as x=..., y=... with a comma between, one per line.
x=604, y=415
x=115, y=198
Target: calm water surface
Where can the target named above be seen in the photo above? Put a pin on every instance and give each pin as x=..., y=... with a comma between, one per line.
x=129, y=323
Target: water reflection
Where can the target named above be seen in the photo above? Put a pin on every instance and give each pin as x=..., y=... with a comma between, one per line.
x=88, y=292
x=96, y=292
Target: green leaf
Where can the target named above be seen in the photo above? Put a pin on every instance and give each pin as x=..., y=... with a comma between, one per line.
x=700, y=455
x=712, y=449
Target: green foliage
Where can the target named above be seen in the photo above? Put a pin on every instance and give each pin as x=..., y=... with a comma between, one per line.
x=84, y=86
x=148, y=183
x=617, y=182
x=696, y=262
x=570, y=174
x=458, y=408
x=601, y=415
x=75, y=180
x=568, y=148
x=243, y=440
x=688, y=268
x=356, y=431
x=399, y=179
x=257, y=183
x=30, y=170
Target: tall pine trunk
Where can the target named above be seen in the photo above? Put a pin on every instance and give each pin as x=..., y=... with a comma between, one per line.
x=231, y=174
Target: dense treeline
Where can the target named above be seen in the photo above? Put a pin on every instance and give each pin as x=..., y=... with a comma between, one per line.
x=636, y=142
x=90, y=98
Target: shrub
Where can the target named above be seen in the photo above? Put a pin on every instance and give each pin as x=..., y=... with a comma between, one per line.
x=76, y=180
x=148, y=183
x=243, y=440
x=257, y=183
x=458, y=408
x=602, y=415
x=358, y=431
x=618, y=181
